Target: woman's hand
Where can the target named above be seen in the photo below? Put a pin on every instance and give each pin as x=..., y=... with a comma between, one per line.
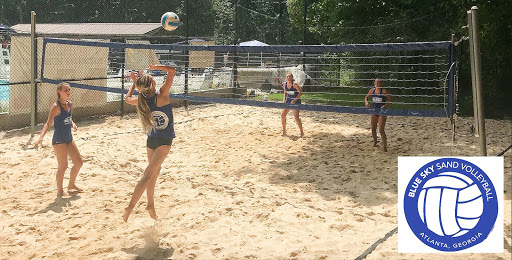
x=366, y=103
x=38, y=143
x=74, y=126
x=134, y=76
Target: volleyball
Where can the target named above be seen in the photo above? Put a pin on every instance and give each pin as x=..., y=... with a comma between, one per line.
x=450, y=204
x=170, y=21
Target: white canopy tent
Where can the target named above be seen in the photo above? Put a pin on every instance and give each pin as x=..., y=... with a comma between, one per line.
x=253, y=43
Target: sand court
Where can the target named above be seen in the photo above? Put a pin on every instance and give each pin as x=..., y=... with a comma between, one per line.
x=231, y=188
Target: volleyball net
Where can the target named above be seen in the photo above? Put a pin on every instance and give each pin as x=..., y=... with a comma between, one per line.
x=333, y=78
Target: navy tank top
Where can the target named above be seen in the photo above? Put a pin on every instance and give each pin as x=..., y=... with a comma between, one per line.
x=62, y=126
x=378, y=100
x=292, y=93
x=163, y=118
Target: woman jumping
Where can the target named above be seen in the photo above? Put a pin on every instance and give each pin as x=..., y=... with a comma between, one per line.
x=155, y=112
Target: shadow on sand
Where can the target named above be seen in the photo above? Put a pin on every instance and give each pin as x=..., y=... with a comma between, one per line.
x=151, y=249
x=59, y=203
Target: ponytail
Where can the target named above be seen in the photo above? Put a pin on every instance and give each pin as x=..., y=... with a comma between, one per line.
x=146, y=117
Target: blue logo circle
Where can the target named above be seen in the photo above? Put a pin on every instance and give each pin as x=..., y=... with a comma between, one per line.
x=450, y=204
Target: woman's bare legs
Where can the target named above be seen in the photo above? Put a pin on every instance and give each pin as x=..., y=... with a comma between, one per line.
x=61, y=152
x=151, y=170
x=283, y=119
x=374, y=120
x=382, y=125
x=150, y=190
x=299, y=123
x=76, y=158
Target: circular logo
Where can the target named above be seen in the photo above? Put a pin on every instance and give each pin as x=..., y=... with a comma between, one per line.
x=161, y=120
x=450, y=204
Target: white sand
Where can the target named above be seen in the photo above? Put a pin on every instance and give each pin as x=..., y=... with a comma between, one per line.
x=232, y=187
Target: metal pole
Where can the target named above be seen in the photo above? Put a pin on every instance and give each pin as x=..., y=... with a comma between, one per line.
x=33, y=73
x=304, y=28
x=451, y=87
x=122, y=95
x=473, y=78
x=187, y=60
x=235, y=40
x=478, y=77
x=235, y=71
x=280, y=32
x=186, y=19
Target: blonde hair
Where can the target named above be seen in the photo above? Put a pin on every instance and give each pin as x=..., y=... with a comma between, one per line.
x=59, y=88
x=143, y=85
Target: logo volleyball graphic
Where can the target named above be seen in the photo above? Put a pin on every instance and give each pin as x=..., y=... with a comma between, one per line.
x=450, y=204
x=161, y=119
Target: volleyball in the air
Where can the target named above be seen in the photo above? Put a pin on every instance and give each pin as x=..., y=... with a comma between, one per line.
x=170, y=21
x=450, y=204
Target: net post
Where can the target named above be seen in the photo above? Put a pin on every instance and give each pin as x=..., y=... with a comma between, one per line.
x=473, y=79
x=122, y=95
x=33, y=73
x=305, y=22
x=451, y=87
x=235, y=38
x=235, y=69
x=450, y=78
x=280, y=34
x=187, y=70
x=187, y=59
x=478, y=80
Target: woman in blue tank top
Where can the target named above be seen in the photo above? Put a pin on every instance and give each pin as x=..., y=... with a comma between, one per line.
x=381, y=99
x=155, y=112
x=292, y=94
x=63, y=144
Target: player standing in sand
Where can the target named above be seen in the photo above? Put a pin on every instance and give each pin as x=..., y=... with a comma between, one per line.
x=381, y=99
x=63, y=144
x=155, y=112
x=292, y=94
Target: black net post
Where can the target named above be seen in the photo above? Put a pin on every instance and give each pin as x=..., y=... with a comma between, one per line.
x=33, y=73
x=235, y=70
x=187, y=69
x=187, y=59
x=122, y=95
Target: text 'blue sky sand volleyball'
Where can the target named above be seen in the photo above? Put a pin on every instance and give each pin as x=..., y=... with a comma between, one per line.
x=170, y=21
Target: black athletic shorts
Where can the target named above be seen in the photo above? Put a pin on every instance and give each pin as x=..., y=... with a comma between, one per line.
x=155, y=142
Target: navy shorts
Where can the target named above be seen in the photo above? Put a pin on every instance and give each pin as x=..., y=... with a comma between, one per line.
x=376, y=111
x=59, y=142
x=155, y=142
x=289, y=101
